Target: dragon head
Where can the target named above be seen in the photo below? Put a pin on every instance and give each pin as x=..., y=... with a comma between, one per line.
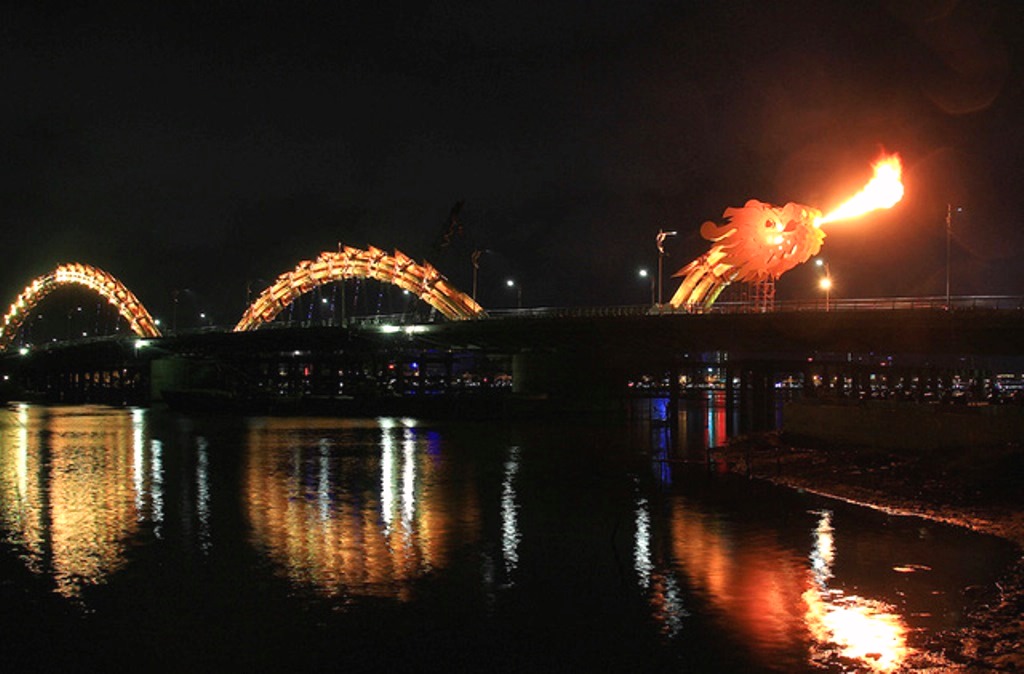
x=760, y=241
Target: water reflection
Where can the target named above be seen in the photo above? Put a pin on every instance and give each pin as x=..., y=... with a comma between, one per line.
x=852, y=627
x=663, y=591
x=509, y=515
x=704, y=419
x=778, y=602
x=642, y=544
x=203, y=493
x=508, y=539
x=21, y=488
x=320, y=515
x=754, y=584
x=75, y=484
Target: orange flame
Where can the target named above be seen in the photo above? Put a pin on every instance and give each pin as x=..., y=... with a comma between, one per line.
x=884, y=190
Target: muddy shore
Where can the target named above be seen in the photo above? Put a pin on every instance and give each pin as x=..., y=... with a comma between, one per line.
x=980, y=489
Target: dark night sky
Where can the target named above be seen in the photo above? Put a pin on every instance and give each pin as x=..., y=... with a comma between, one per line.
x=213, y=144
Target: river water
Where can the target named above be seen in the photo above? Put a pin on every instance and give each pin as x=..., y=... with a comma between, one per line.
x=140, y=538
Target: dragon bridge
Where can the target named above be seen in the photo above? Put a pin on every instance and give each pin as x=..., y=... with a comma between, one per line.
x=422, y=280
x=75, y=273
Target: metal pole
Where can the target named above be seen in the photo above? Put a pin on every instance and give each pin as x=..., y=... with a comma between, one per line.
x=475, y=260
x=949, y=237
x=659, y=241
x=828, y=290
x=343, y=323
x=661, y=257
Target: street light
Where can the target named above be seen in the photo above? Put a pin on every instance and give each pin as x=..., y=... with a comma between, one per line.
x=644, y=274
x=825, y=283
x=519, y=292
x=659, y=241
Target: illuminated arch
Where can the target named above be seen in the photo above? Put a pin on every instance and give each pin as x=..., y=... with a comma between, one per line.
x=424, y=281
x=93, y=278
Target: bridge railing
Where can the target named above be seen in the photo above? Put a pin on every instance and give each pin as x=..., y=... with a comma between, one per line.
x=962, y=303
x=933, y=303
x=1002, y=302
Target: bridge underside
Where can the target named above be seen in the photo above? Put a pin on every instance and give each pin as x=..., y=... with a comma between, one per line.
x=587, y=360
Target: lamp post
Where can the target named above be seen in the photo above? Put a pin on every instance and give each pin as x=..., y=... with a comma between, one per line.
x=659, y=241
x=949, y=249
x=475, y=259
x=519, y=292
x=825, y=283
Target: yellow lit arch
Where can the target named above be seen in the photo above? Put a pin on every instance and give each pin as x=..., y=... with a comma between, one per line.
x=93, y=278
x=424, y=281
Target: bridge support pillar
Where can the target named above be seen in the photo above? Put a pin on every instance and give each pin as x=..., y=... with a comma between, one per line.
x=580, y=380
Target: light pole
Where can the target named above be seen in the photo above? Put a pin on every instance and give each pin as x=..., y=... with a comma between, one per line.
x=949, y=248
x=825, y=283
x=659, y=241
x=519, y=292
x=475, y=259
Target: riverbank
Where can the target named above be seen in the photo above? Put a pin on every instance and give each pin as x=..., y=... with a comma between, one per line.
x=980, y=490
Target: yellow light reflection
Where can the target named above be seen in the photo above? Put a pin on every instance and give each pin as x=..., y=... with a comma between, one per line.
x=21, y=488
x=334, y=527
x=71, y=490
x=852, y=627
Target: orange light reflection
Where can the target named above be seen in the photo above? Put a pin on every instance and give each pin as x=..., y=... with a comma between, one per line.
x=849, y=626
x=777, y=604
